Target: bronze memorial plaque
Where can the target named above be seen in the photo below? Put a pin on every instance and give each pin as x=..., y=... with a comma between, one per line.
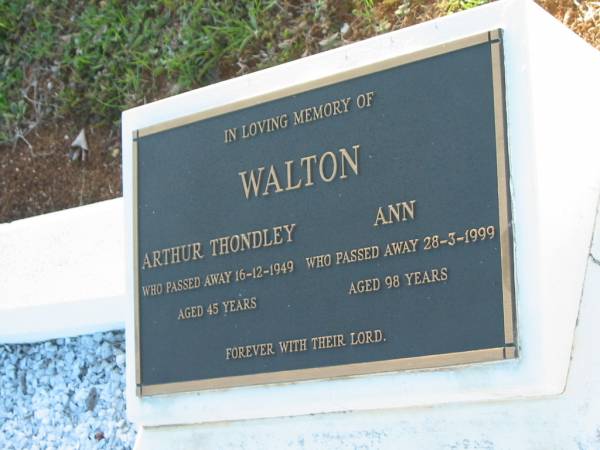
x=353, y=225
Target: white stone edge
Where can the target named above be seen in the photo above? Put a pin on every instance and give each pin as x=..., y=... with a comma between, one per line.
x=59, y=320
x=49, y=287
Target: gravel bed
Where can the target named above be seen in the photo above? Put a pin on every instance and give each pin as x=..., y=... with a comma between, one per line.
x=65, y=394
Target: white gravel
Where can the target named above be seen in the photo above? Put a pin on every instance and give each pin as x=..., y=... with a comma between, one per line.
x=65, y=394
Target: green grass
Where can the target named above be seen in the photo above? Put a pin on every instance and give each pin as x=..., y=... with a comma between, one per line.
x=103, y=57
x=26, y=42
x=86, y=61
x=460, y=5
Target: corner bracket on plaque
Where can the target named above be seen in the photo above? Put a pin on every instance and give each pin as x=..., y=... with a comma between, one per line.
x=495, y=35
x=510, y=352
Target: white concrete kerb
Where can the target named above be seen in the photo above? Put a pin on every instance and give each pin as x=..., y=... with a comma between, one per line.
x=63, y=274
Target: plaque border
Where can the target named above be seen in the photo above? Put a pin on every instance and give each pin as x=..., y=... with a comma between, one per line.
x=508, y=351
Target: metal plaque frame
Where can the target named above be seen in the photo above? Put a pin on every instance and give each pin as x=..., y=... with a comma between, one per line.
x=508, y=351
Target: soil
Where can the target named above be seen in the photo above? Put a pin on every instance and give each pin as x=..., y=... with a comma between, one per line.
x=40, y=173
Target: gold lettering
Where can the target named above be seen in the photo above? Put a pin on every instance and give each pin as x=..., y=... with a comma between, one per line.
x=230, y=135
x=325, y=178
x=298, y=117
x=426, y=277
x=217, y=279
x=357, y=255
x=401, y=247
x=252, y=240
x=399, y=212
x=328, y=163
x=380, y=219
x=185, y=253
x=326, y=342
x=184, y=284
x=151, y=290
x=308, y=159
x=190, y=312
x=252, y=182
x=408, y=210
x=249, y=351
x=173, y=255
x=272, y=180
x=364, y=286
x=293, y=345
x=290, y=177
x=156, y=257
x=365, y=100
x=353, y=162
x=197, y=246
x=236, y=305
x=346, y=101
x=366, y=337
x=289, y=229
x=322, y=111
x=319, y=261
